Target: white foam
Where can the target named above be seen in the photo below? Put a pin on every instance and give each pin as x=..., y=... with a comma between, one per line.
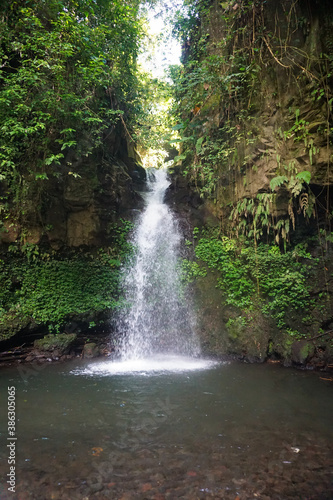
x=146, y=366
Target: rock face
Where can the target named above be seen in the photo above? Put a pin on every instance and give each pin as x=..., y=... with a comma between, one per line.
x=63, y=220
x=274, y=118
x=90, y=350
x=78, y=208
x=259, y=164
x=52, y=347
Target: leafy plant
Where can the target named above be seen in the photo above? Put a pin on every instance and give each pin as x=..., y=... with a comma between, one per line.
x=41, y=288
x=282, y=277
x=68, y=73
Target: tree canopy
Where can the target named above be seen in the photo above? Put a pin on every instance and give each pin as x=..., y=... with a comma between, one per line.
x=67, y=73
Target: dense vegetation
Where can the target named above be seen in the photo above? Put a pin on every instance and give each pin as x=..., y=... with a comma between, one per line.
x=48, y=289
x=67, y=75
x=221, y=92
x=68, y=82
x=254, y=106
x=251, y=117
x=276, y=281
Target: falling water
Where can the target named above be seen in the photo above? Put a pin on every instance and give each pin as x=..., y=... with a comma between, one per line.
x=157, y=320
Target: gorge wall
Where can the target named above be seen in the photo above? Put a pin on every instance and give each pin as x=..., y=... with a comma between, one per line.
x=79, y=210
x=252, y=182
x=255, y=117
x=61, y=248
x=69, y=168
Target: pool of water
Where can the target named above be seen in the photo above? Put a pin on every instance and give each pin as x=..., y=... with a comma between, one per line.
x=205, y=430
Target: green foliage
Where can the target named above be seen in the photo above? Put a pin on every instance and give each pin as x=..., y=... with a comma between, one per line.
x=254, y=217
x=49, y=292
x=299, y=131
x=121, y=248
x=51, y=342
x=223, y=73
x=282, y=277
x=219, y=93
x=234, y=278
x=68, y=73
x=191, y=270
x=278, y=181
x=44, y=289
x=53, y=291
x=304, y=176
x=153, y=131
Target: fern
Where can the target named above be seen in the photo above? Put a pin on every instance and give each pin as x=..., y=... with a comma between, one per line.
x=303, y=203
x=278, y=181
x=199, y=144
x=304, y=176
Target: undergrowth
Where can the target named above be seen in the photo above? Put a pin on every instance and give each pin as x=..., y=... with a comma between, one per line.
x=255, y=277
x=49, y=292
x=39, y=288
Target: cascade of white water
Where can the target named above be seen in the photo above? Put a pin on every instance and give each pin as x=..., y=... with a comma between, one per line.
x=157, y=320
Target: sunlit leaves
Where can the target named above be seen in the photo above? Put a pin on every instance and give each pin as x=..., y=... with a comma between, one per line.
x=305, y=176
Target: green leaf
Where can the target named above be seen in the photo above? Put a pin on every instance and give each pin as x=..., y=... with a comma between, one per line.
x=278, y=181
x=68, y=145
x=180, y=157
x=178, y=126
x=305, y=176
x=199, y=144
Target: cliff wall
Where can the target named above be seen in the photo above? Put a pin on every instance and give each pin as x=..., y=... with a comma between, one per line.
x=78, y=209
x=255, y=174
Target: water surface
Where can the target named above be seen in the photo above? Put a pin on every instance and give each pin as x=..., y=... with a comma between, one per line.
x=210, y=431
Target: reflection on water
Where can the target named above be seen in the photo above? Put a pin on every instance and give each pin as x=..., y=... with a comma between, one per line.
x=229, y=430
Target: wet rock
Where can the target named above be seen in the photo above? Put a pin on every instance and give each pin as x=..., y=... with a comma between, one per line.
x=52, y=346
x=82, y=228
x=302, y=351
x=90, y=350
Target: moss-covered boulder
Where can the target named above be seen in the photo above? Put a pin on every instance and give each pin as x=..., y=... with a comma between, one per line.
x=90, y=350
x=227, y=330
x=54, y=346
x=248, y=337
x=12, y=323
x=302, y=351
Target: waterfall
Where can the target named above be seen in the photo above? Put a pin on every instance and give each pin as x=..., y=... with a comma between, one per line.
x=157, y=319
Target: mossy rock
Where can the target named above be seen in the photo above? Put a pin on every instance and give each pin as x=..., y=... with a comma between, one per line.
x=236, y=328
x=302, y=351
x=11, y=323
x=59, y=342
x=248, y=338
x=281, y=346
x=211, y=315
x=90, y=350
